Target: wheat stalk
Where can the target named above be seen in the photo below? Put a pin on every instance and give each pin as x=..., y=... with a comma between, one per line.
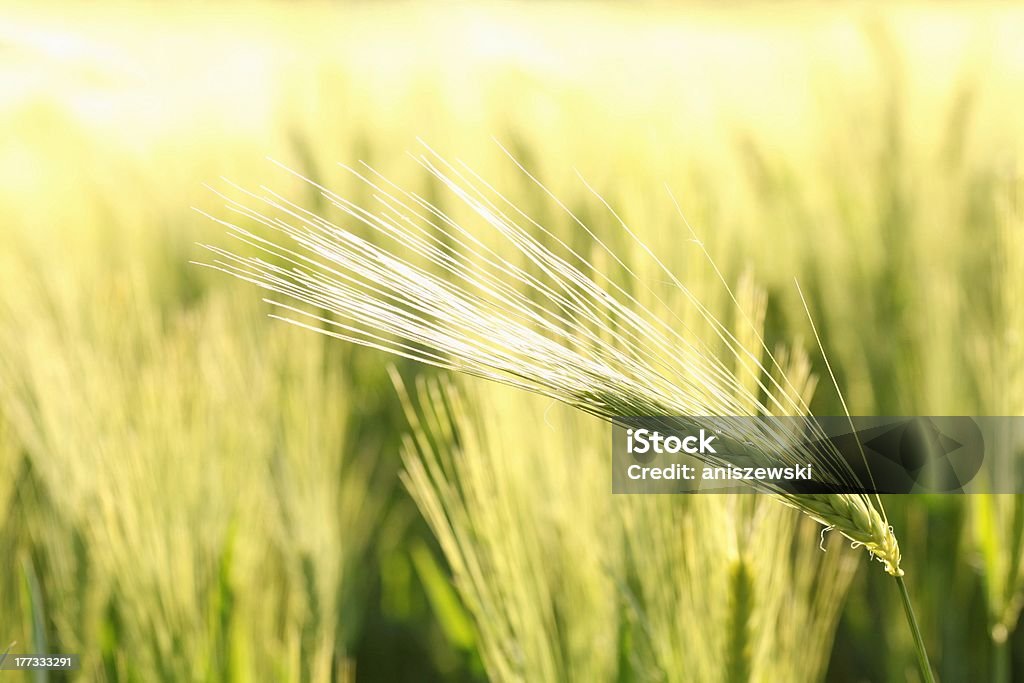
x=530, y=311
x=593, y=346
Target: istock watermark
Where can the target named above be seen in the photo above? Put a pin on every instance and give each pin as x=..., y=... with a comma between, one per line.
x=862, y=454
x=642, y=441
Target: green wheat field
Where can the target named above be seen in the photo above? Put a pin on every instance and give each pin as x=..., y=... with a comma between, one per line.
x=191, y=490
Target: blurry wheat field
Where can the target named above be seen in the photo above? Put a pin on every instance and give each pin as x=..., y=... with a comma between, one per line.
x=192, y=491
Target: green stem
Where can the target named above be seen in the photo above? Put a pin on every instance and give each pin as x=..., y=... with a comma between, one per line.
x=1001, y=661
x=922, y=654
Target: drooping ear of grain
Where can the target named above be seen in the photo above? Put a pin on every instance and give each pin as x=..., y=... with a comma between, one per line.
x=534, y=320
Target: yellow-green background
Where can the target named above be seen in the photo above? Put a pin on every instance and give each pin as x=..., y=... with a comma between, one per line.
x=190, y=491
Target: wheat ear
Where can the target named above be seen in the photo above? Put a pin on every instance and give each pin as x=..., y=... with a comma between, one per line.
x=551, y=323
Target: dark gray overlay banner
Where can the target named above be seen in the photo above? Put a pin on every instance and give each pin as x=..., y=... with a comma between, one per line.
x=862, y=454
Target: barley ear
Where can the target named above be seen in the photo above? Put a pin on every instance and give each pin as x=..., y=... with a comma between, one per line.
x=854, y=517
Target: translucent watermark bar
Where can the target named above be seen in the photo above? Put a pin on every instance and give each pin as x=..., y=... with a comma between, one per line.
x=795, y=455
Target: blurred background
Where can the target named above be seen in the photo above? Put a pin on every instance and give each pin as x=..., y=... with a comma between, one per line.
x=192, y=491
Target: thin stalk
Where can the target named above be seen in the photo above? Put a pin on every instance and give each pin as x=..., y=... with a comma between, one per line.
x=922, y=654
x=1001, y=661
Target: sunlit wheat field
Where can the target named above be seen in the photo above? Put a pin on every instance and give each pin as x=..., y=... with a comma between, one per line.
x=191, y=490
